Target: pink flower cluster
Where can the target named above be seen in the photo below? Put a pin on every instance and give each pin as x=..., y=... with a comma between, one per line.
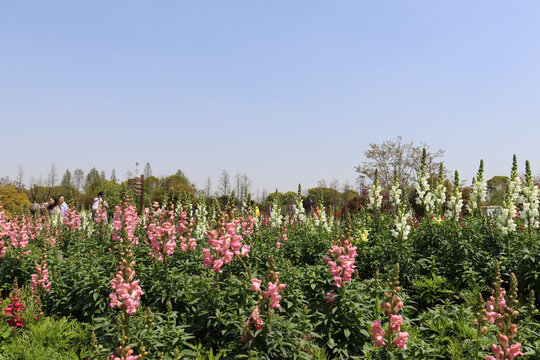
x=162, y=239
x=272, y=294
x=494, y=311
x=280, y=238
x=255, y=320
x=503, y=352
x=41, y=278
x=390, y=309
x=128, y=292
x=12, y=311
x=128, y=355
x=247, y=225
x=101, y=215
x=125, y=218
x=19, y=232
x=395, y=323
x=225, y=247
x=345, y=256
x=330, y=297
x=72, y=219
x=186, y=242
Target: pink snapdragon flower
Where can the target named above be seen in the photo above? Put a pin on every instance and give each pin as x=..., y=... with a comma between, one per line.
x=18, y=232
x=255, y=285
x=41, y=277
x=12, y=311
x=378, y=333
x=162, y=239
x=492, y=313
x=72, y=219
x=272, y=294
x=128, y=292
x=125, y=218
x=224, y=246
x=330, y=297
x=343, y=268
x=128, y=355
x=390, y=308
x=401, y=341
x=253, y=320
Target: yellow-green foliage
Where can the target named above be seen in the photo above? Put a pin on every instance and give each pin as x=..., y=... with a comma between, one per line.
x=12, y=200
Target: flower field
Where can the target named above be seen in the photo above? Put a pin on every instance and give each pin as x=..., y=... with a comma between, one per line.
x=204, y=280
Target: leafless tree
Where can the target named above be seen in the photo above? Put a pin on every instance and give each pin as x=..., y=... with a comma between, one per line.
x=78, y=177
x=242, y=185
x=67, y=179
x=394, y=154
x=20, y=177
x=53, y=175
x=224, y=183
x=246, y=184
x=5, y=181
x=113, y=175
x=321, y=183
x=208, y=186
x=346, y=186
x=334, y=184
x=147, y=170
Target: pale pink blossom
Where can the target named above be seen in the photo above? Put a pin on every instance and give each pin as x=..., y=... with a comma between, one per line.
x=41, y=277
x=395, y=322
x=330, y=297
x=378, y=333
x=224, y=248
x=401, y=341
x=128, y=291
x=255, y=285
x=343, y=268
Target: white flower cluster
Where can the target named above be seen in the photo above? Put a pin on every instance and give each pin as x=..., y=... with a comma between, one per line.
x=300, y=212
x=506, y=220
x=395, y=195
x=375, y=197
x=401, y=228
x=425, y=197
x=322, y=221
x=454, y=205
x=439, y=198
x=478, y=193
x=514, y=188
x=87, y=223
x=201, y=215
x=276, y=219
x=508, y=213
x=530, y=208
x=530, y=203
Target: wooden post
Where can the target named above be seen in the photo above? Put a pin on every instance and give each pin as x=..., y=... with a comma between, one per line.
x=142, y=194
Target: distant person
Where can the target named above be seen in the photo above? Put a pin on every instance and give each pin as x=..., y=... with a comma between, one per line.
x=156, y=209
x=35, y=208
x=63, y=205
x=99, y=203
x=53, y=207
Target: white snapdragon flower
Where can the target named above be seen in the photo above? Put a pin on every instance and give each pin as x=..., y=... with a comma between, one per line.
x=276, y=218
x=375, y=198
x=529, y=214
x=512, y=196
x=425, y=197
x=201, y=214
x=401, y=227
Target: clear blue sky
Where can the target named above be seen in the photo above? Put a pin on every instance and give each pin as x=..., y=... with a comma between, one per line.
x=287, y=92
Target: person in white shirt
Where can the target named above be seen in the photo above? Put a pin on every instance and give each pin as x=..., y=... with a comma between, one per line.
x=63, y=205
